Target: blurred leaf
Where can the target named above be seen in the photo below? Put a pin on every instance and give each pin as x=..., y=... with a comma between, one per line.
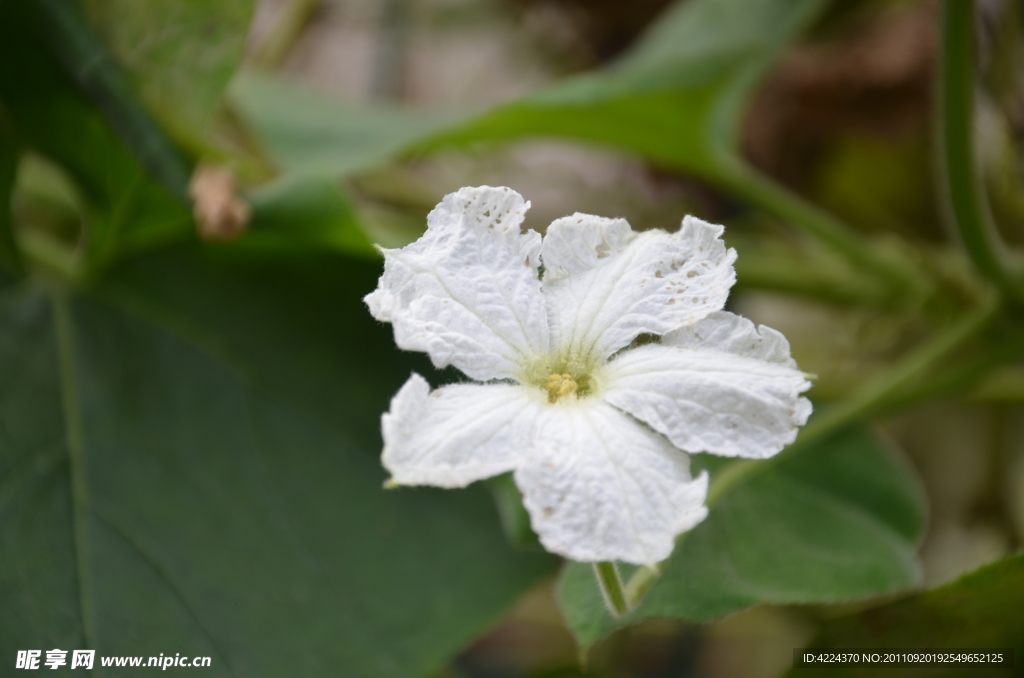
x=63, y=28
x=837, y=522
x=305, y=212
x=882, y=186
x=307, y=132
x=9, y=257
x=155, y=499
x=294, y=324
x=676, y=98
x=129, y=211
x=514, y=518
x=980, y=610
x=180, y=55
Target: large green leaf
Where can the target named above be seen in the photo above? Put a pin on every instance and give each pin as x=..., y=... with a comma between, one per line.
x=158, y=497
x=294, y=323
x=180, y=55
x=128, y=210
x=980, y=610
x=838, y=521
x=305, y=131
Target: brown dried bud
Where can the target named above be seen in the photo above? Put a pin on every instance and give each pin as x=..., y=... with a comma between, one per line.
x=220, y=214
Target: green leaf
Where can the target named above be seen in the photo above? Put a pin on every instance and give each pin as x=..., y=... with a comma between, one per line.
x=980, y=610
x=298, y=211
x=63, y=28
x=180, y=55
x=837, y=522
x=128, y=210
x=676, y=98
x=157, y=499
x=293, y=323
x=307, y=132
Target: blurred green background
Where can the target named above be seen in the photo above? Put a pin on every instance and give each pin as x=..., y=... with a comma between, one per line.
x=190, y=386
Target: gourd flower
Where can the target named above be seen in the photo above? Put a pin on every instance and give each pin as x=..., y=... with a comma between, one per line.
x=599, y=357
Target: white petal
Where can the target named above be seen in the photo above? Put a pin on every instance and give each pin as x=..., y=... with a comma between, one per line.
x=606, y=284
x=468, y=292
x=600, y=486
x=457, y=434
x=720, y=386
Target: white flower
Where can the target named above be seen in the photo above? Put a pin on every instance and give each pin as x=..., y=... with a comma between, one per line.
x=594, y=426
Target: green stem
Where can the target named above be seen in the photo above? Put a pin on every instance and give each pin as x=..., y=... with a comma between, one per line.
x=752, y=185
x=867, y=400
x=961, y=181
x=803, y=278
x=608, y=579
x=963, y=376
x=286, y=32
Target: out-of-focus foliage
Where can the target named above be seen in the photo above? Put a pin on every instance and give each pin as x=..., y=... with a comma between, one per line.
x=979, y=610
x=127, y=209
x=179, y=55
x=840, y=521
x=304, y=132
x=305, y=212
x=676, y=98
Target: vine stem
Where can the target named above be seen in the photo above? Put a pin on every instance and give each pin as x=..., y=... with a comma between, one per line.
x=961, y=182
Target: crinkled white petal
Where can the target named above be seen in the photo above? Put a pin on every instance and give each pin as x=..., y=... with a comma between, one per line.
x=599, y=486
x=605, y=285
x=467, y=292
x=719, y=385
x=457, y=434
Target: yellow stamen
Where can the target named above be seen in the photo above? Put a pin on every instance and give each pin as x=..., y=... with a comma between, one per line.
x=559, y=386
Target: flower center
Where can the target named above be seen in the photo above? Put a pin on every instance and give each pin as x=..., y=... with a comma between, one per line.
x=563, y=377
x=560, y=386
